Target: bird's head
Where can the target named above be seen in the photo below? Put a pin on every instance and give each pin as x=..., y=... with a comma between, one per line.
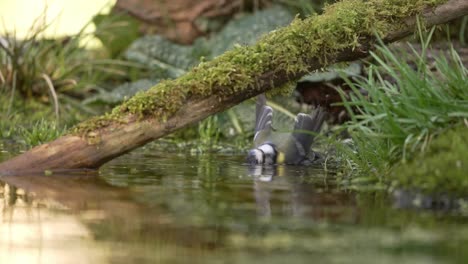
x=255, y=157
x=265, y=154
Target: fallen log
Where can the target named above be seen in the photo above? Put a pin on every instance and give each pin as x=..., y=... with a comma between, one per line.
x=345, y=31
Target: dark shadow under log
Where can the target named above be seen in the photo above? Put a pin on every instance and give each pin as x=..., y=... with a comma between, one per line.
x=94, y=148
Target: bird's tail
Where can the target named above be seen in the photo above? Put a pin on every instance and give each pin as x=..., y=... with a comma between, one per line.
x=318, y=117
x=307, y=126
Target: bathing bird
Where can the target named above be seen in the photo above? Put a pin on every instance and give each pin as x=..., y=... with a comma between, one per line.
x=273, y=147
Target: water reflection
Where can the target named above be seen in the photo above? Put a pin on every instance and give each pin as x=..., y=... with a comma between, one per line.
x=151, y=207
x=301, y=200
x=36, y=228
x=80, y=219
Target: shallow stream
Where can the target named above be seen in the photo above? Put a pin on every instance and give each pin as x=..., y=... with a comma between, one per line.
x=157, y=207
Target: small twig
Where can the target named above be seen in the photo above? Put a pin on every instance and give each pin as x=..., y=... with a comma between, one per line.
x=54, y=94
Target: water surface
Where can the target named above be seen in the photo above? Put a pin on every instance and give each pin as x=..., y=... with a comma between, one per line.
x=152, y=206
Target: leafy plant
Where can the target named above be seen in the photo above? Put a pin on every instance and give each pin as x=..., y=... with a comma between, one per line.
x=406, y=107
x=7, y=129
x=116, y=31
x=442, y=169
x=41, y=132
x=208, y=133
x=50, y=69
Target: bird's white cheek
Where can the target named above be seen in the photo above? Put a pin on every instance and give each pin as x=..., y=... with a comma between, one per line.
x=267, y=149
x=259, y=156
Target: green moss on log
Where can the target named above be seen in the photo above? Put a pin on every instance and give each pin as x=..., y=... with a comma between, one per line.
x=442, y=169
x=342, y=26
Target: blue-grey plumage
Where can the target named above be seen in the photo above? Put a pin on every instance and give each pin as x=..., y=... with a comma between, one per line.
x=291, y=148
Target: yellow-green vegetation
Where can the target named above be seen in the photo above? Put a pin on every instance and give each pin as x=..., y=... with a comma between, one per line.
x=35, y=71
x=38, y=68
x=290, y=49
x=441, y=169
x=32, y=122
x=405, y=117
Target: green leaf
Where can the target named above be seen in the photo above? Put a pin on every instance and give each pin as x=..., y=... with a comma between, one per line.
x=248, y=28
x=169, y=60
x=116, y=31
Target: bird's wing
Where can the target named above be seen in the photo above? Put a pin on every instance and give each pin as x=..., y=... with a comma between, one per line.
x=306, y=127
x=264, y=115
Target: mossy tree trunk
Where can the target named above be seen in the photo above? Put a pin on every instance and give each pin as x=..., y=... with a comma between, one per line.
x=346, y=31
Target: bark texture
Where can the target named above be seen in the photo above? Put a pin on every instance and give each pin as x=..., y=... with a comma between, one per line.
x=97, y=147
